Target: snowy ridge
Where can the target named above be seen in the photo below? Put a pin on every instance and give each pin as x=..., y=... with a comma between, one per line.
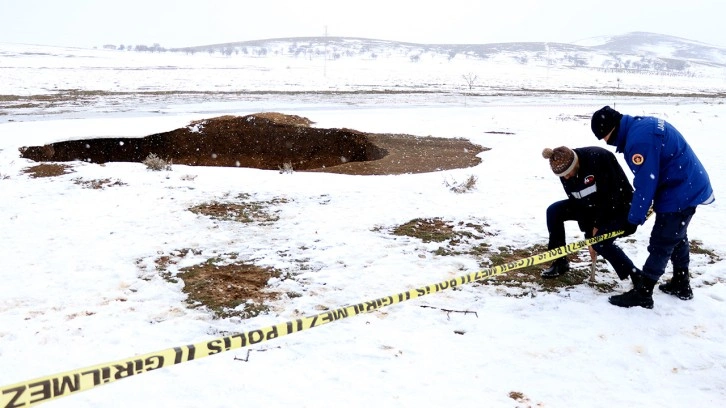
x=653, y=50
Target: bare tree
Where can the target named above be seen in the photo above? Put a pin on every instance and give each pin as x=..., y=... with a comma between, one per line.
x=470, y=79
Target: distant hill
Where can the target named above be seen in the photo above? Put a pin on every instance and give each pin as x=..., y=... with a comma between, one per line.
x=637, y=51
x=663, y=46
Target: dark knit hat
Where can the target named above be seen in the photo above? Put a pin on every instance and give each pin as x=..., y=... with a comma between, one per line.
x=562, y=159
x=605, y=120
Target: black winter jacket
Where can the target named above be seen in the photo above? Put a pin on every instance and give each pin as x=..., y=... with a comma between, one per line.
x=600, y=188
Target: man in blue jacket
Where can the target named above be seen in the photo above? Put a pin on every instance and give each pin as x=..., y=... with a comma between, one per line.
x=667, y=174
x=598, y=198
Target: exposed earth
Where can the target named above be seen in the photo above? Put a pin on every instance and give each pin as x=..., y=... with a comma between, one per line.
x=272, y=141
x=266, y=141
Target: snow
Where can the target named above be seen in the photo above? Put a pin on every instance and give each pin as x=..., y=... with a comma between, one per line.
x=79, y=286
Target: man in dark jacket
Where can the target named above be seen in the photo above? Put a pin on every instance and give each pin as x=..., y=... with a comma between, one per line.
x=599, y=197
x=669, y=175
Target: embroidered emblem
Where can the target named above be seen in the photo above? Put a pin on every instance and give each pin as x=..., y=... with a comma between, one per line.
x=589, y=179
x=637, y=159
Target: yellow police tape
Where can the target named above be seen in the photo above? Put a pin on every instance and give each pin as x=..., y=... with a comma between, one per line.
x=29, y=393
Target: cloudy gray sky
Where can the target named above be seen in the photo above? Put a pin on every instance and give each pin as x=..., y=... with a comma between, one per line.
x=178, y=23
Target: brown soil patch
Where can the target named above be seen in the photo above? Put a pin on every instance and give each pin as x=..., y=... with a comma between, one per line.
x=272, y=141
x=222, y=288
x=223, y=284
x=47, y=170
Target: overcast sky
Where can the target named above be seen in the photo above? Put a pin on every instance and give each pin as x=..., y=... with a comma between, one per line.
x=179, y=23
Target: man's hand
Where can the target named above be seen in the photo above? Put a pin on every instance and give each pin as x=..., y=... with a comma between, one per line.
x=593, y=258
x=593, y=254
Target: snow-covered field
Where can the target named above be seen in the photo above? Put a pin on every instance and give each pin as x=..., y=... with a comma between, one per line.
x=78, y=285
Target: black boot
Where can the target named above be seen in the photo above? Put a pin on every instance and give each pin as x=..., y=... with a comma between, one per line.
x=679, y=286
x=558, y=267
x=641, y=295
x=636, y=278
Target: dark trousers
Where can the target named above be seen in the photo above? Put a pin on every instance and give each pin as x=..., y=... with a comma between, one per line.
x=668, y=241
x=565, y=210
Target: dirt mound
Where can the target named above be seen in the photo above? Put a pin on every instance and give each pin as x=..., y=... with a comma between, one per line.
x=271, y=141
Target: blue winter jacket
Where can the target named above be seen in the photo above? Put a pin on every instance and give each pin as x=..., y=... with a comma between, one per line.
x=667, y=171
